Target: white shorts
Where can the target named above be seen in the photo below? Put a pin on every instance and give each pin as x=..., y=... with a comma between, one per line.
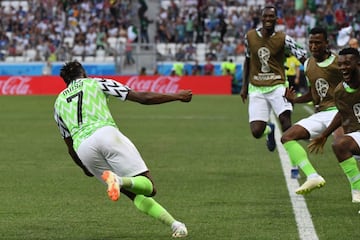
x=260, y=104
x=108, y=149
x=356, y=137
x=318, y=122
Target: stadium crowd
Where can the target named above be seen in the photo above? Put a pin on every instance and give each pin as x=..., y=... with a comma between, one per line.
x=51, y=30
x=54, y=30
x=221, y=25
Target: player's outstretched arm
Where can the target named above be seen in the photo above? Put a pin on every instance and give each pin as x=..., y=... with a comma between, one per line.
x=150, y=98
x=75, y=157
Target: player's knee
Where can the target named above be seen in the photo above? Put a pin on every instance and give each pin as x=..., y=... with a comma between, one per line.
x=257, y=134
x=257, y=128
x=339, y=145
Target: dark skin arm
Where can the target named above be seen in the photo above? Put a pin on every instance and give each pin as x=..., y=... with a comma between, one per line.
x=245, y=86
x=290, y=95
x=302, y=60
x=75, y=157
x=150, y=98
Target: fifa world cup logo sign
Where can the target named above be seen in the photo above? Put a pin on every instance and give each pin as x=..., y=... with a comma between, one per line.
x=356, y=109
x=264, y=55
x=322, y=87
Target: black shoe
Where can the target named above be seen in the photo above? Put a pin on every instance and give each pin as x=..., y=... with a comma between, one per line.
x=270, y=139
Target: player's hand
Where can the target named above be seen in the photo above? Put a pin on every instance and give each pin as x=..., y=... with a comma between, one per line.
x=185, y=95
x=316, y=145
x=244, y=94
x=290, y=94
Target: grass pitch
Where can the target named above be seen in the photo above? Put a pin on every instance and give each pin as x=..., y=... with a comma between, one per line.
x=208, y=169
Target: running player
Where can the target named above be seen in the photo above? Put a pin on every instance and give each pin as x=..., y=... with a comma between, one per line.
x=97, y=145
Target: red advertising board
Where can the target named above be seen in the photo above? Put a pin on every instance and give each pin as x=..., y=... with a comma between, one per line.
x=52, y=85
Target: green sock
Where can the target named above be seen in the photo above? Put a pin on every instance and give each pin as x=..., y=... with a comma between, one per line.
x=298, y=157
x=138, y=185
x=352, y=172
x=266, y=131
x=149, y=206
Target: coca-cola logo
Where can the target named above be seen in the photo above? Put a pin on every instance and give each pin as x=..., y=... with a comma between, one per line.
x=162, y=84
x=15, y=85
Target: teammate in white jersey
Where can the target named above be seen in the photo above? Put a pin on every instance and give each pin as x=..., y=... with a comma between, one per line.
x=96, y=144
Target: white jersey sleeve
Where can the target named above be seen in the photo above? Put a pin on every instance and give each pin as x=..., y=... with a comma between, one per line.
x=297, y=50
x=64, y=131
x=113, y=88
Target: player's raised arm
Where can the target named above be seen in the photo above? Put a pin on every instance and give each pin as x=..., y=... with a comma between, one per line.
x=118, y=90
x=149, y=98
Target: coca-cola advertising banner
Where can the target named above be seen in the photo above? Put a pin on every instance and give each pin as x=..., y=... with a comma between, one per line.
x=52, y=85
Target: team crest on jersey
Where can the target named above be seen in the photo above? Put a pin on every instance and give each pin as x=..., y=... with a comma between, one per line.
x=264, y=56
x=322, y=87
x=356, y=109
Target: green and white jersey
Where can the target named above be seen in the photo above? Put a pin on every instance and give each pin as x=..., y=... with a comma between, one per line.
x=82, y=107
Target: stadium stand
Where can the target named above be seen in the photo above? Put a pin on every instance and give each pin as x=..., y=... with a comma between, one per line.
x=34, y=30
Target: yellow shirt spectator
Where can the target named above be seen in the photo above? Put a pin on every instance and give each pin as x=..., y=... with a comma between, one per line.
x=292, y=72
x=293, y=65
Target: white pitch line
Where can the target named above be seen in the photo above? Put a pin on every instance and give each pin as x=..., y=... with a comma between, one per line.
x=302, y=215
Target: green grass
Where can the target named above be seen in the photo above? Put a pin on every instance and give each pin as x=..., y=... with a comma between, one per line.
x=208, y=169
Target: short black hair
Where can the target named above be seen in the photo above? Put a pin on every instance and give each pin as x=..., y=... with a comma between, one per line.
x=319, y=30
x=71, y=71
x=352, y=51
x=269, y=7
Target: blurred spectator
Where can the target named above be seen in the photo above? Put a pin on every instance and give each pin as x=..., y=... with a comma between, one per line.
x=340, y=16
x=129, y=59
x=190, y=52
x=240, y=47
x=114, y=9
x=222, y=27
x=173, y=11
x=178, y=68
x=4, y=45
x=142, y=71
x=101, y=42
x=15, y=49
x=78, y=49
x=200, y=27
x=144, y=25
x=142, y=9
x=214, y=39
x=63, y=53
x=228, y=48
x=300, y=30
x=209, y=67
x=47, y=68
x=90, y=48
x=293, y=72
x=189, y=27
x=162, y=32
x=354, y=43
x=179, y=30
x=196, y=69
x=180, y=53
x=228, y=67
